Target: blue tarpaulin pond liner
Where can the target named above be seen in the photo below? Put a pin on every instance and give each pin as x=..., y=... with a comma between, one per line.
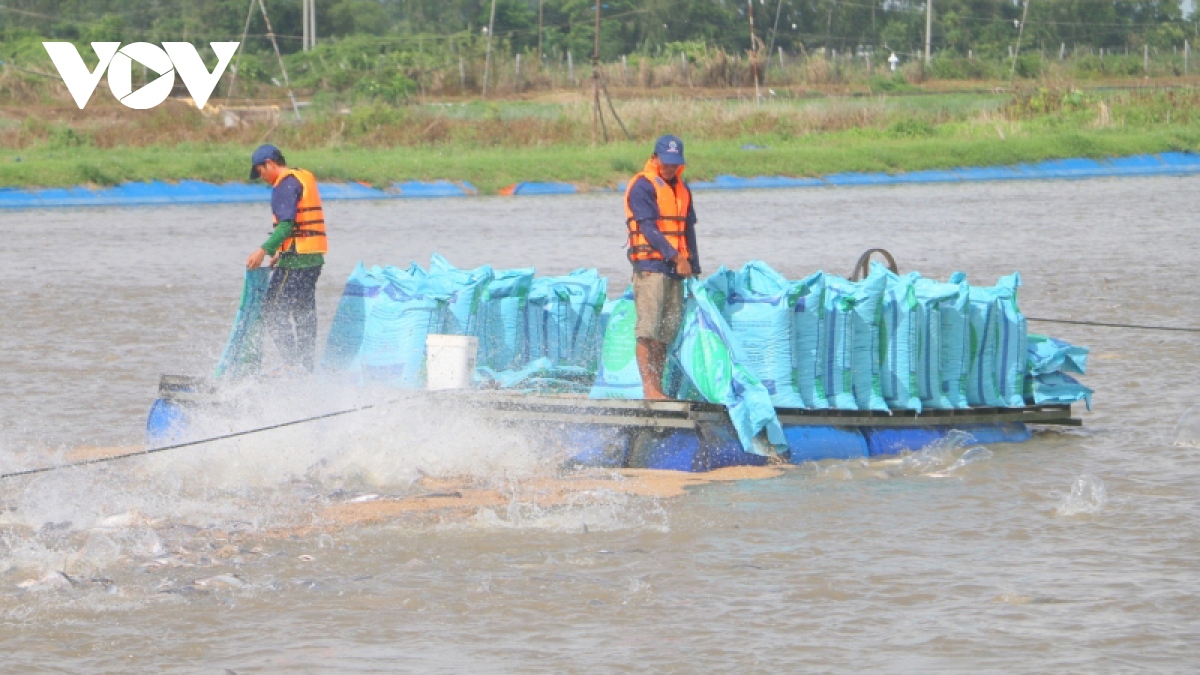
x=532, y=189
x=426, y=190
x=199, y=192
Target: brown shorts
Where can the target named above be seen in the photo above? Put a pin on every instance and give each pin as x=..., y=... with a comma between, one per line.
x=659, y=302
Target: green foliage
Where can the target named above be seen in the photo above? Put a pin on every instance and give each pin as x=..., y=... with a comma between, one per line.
x=911, y=127
x=891, y=83
x=391, y=87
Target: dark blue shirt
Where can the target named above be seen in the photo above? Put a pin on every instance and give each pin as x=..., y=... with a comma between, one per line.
x=285, y=197
x=643, y=202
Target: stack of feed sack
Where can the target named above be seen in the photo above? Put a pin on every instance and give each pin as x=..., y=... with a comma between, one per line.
x=997, y=344
x=617, y=374
x=853, y=322
x=758, y=304
x=381, y=323
x=502, y=316
x=465, y=289
x=563, y=318
x=904, y=342
x=1047, y=363
x=808, y=340
x=942, y=382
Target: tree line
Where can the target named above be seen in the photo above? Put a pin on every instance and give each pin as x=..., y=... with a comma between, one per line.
x=987, y=28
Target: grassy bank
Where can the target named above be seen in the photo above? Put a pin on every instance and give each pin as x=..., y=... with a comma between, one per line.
x=492, y=146
x=492, y=168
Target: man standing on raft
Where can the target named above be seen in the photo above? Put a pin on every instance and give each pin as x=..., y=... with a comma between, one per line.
x=662, y=249
x=297, y=248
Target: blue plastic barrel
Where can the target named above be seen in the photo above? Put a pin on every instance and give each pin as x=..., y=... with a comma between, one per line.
x=894, y=441
x=811, y=444
x=596, y=446
x=167, y=423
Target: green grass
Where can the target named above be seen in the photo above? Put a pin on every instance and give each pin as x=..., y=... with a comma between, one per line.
x=493, y=147
x=491, y=168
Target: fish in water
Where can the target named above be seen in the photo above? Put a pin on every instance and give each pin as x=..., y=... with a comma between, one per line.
x=51, y=581
x=221, y=580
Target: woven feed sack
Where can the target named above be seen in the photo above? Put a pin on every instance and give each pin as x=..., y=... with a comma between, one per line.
x=808, y=355
x=719, y=285
x=465, y=290
x=617, y=375
x=983, y=345
x=1014, y=340
x=954, y=316
x=943, y=326
x=535, y=317
x=402, y=315
x=1052, y=388
x=902, y=342
x=243, y=351
x=853, y=317
x=502, y=319
x=758, y=310
x=711, y=357
x=1049, y=355
x=344, y=346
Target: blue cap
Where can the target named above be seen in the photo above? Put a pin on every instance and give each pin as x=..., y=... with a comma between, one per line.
x=262, y=154
x=669, y=150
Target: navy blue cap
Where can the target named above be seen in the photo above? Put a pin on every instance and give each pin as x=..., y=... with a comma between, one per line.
x=262, y=154
x=669, y=150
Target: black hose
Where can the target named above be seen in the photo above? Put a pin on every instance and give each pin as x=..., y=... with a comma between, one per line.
x=1102, y=324
x=151, y=451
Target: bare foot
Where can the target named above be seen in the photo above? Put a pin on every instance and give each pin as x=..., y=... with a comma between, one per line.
x=656, y=396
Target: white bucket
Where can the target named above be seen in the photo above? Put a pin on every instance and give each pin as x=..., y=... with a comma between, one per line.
x=450, y=361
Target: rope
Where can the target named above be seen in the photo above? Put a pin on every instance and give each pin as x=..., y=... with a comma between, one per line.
x=1102, y=324
x=152, y=451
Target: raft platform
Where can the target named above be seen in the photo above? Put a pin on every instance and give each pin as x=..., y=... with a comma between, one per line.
x=677, y=435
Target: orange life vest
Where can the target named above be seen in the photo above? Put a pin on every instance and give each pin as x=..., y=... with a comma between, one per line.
x=673, y=205
x=308, y=235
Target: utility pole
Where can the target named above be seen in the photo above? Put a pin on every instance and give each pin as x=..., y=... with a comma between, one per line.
x=596, y=114
x=753, y=51
x=312, y=24
x=775, y=30
x=1020, y=33
x=304, y=21
x=929, y=32
x=541, y=15
x=487, y=60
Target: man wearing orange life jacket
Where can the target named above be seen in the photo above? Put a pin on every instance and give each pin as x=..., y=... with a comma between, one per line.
x=297, y=247
x=662, y=248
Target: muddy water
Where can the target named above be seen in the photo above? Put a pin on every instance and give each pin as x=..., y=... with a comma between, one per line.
x=1075, y=552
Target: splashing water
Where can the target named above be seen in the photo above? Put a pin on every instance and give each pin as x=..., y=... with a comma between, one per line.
x=1187, y=432
x=1088, y=495
x=940, y=459
x=198, y=506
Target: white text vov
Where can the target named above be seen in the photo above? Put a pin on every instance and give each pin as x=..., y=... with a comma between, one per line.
x=172, y=57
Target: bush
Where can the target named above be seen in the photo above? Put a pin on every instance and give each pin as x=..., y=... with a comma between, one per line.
x=890, y=84
x=911, y=127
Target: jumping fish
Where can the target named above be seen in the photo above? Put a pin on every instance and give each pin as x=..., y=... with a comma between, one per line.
x=50, y=581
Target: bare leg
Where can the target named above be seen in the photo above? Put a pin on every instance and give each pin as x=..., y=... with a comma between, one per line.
x=651, y=356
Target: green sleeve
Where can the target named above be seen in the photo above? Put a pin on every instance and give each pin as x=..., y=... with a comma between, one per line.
x=282, y=231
